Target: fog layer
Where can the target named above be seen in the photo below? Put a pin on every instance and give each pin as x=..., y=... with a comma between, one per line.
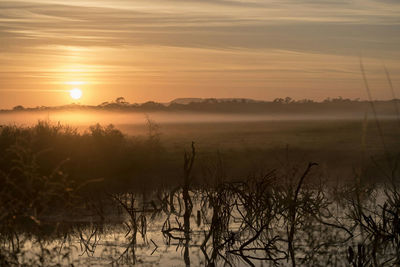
x=83, y=118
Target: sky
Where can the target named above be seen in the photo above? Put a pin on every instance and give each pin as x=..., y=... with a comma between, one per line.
x=159, y=50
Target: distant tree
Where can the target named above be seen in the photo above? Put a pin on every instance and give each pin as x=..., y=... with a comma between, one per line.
x=151, y=105
x=210, y=101
x=278, y=100
x=288, y=100
x=19, y=107
x=305, y=101
x=338, y=99
x=120, y=100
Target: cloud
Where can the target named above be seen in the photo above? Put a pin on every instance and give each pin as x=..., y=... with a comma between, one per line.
x=39, y=24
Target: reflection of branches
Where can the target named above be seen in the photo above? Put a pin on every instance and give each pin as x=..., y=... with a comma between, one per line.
x=219, y=231
x=88, y=245
x=292, y=214
x=127, y=202
x=168, y=202
x=248, y=217
x=187, y=168
x=137, y=223
x=170, y=232
x=381, y=225
x=168, y=205
x=257, y=210
x=128, y=256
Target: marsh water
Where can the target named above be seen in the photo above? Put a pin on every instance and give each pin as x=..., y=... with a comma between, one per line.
x=234, y=224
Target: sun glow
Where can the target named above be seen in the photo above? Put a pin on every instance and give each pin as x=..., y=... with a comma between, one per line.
x=75, y=93
x=75, y=83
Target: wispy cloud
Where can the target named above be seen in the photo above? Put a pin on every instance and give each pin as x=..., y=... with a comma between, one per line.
x=335, y=28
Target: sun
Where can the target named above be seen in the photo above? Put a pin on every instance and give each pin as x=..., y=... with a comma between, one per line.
x=75, y=93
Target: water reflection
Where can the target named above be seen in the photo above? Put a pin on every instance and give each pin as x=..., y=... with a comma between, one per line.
x=262, y=221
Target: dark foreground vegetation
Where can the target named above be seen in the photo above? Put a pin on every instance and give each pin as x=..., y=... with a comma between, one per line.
x=100, y=153
x=102, y=198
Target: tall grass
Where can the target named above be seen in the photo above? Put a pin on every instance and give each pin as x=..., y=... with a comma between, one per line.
x=98, y=153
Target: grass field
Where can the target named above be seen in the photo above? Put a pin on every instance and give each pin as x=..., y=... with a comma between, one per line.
x=338, y=145
x=244, y=145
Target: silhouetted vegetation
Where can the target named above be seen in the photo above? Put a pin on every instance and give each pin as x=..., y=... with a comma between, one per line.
x=287, y=105
x=98, y=153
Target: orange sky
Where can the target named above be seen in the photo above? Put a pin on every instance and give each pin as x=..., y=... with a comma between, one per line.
x=164, y=49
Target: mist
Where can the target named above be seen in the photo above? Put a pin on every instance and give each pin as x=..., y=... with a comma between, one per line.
x=83, y=119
